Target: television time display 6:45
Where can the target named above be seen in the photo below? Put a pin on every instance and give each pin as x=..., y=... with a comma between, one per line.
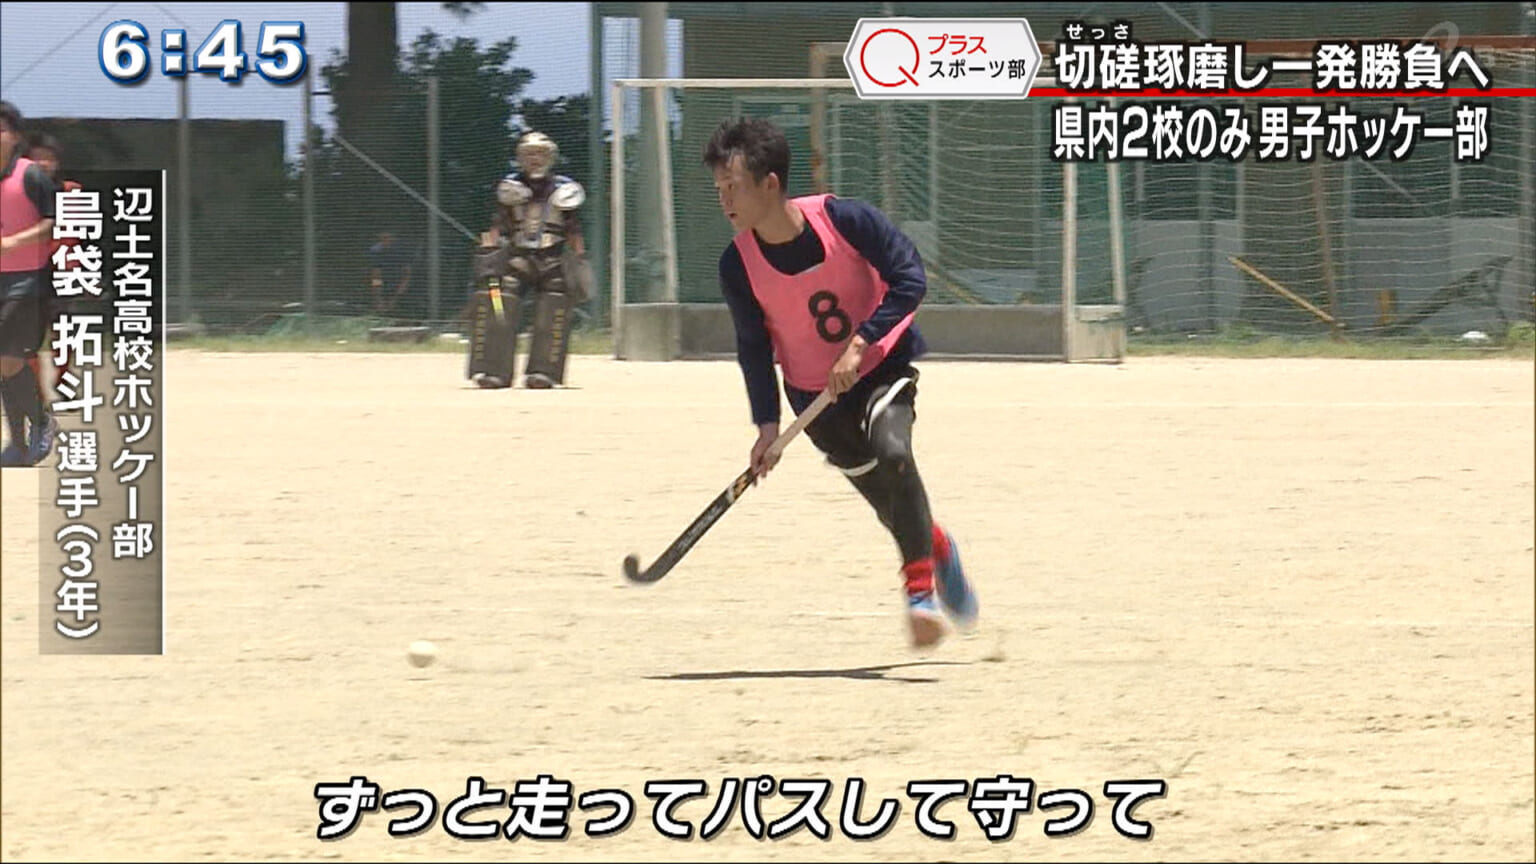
x=280, y=58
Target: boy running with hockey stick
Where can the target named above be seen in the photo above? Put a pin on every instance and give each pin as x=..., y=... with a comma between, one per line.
x=829, y=287
x=26, y=223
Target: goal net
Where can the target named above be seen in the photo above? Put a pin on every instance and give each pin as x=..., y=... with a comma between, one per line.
x=1418, y=244
x=1031, y=256
x=1017, y=247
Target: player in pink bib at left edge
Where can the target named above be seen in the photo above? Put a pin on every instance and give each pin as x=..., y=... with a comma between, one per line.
x=26, y=229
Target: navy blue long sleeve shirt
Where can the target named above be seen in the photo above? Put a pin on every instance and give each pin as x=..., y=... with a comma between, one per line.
x=867, y=230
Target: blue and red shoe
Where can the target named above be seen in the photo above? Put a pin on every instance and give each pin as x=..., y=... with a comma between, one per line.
x=924, y=620
x=955, y=593
x=42, y=442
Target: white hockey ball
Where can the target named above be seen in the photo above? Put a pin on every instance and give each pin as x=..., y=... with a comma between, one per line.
x=422, y=653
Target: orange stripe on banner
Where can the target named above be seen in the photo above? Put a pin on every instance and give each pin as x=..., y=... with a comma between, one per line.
x=1287, y=93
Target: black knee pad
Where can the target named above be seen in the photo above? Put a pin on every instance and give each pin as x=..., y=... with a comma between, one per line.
x=890, y=435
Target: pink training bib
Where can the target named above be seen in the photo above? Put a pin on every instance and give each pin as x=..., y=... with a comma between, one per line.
x=17, y=214
x=812, y=315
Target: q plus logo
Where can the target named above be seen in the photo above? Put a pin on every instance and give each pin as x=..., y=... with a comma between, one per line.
x=890, y=48
x=942, y=58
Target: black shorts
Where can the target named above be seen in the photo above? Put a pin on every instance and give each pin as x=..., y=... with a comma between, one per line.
x=21, y=313
x=842, y=430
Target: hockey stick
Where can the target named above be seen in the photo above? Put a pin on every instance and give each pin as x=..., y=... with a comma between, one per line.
x=720, y=505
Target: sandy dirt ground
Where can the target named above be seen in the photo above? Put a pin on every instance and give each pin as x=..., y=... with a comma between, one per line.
x=1299, y=592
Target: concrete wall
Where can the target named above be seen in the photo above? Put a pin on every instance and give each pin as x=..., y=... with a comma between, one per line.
x=1412, y=258
x=1164, y=275
x=1416, y=258
x=660, y=331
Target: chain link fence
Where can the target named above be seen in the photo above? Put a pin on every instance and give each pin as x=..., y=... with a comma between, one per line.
x=351, y=198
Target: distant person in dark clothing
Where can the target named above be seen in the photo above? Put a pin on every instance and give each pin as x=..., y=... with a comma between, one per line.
x=391, y=266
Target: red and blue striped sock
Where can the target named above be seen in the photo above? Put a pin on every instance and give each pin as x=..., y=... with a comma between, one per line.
x=919, y=575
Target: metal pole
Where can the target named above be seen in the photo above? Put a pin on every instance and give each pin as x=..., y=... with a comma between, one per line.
x=1039, y=121
x=1117, y=249
x=309, y=198
x=616, y=263
x=835, y=149
x=1116, y=232
x=1324, y=235
x=1068, y=254
x=886, y=116
x=434, y=256
x=664, y=184
x=1345, y=273
x=184, y=197
x=1203, y=181
x=818, y=121
x=598, y=182
x=933, y=180
x=653, y=64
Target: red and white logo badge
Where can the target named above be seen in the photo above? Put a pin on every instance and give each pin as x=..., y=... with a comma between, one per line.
x=942, y=58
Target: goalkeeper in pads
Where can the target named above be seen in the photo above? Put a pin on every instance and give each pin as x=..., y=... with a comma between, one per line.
x=829, y=288
x=534, y=250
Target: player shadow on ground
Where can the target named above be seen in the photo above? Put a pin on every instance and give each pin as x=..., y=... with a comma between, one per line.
x=861, y=673
x=472, y=386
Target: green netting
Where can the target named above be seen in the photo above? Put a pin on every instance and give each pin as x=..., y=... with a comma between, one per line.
x=972, y=183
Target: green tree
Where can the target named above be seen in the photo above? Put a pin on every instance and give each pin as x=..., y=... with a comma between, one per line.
x=476, y=94
x=362, y=98
x=379, y=94
x=478, y=90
